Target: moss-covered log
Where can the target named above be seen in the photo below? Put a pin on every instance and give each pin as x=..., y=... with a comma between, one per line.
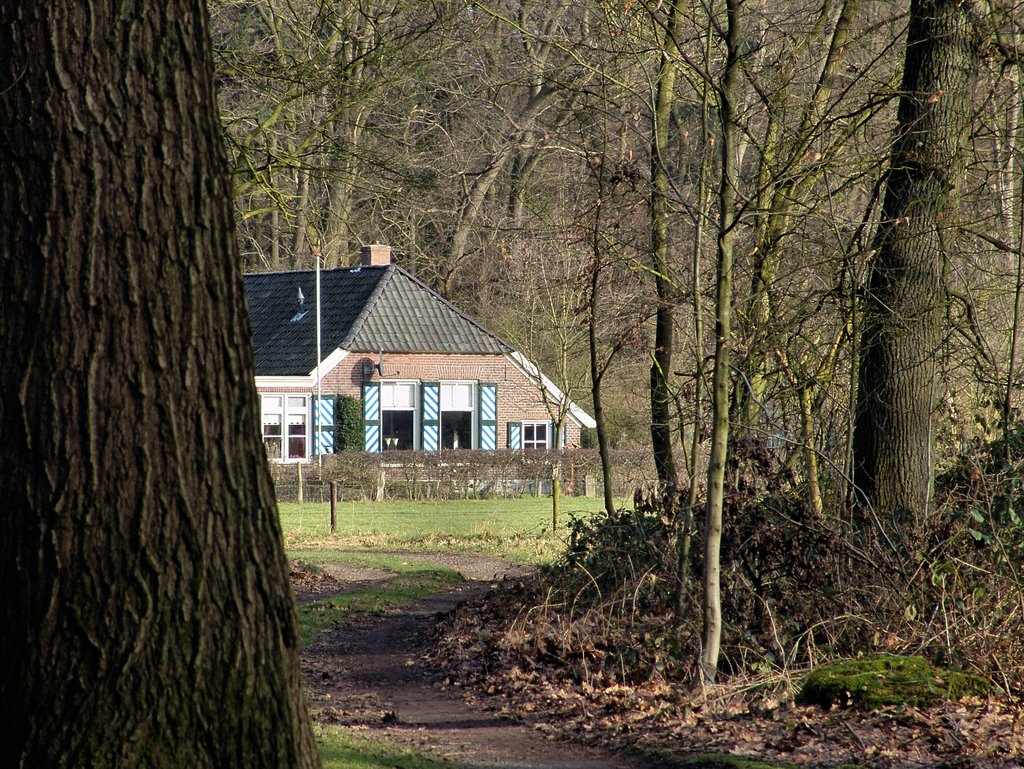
x=884, y=679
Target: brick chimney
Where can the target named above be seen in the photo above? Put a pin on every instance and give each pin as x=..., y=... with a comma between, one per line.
x=376, y=255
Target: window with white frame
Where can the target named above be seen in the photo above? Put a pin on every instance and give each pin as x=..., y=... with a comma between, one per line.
x=458, y=412
x=285, y=420
x=536, y=435
x=398, y=416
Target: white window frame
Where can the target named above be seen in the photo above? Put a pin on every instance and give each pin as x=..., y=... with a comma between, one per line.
x=473, y=410
x=532, y=445
x=414, y=408
x=283, y=411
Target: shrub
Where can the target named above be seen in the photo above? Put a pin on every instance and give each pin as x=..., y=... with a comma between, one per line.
x=348, y=428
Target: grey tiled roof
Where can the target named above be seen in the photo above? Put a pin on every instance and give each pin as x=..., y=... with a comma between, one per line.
x=364, y=309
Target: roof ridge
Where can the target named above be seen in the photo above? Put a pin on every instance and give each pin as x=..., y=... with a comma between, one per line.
x=371, y=302
x=453, y=308
x=308, y=270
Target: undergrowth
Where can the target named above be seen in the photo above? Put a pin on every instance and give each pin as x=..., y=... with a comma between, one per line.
x=799, y=586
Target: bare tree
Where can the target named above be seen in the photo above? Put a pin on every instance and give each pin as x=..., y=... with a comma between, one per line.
x=549, y=328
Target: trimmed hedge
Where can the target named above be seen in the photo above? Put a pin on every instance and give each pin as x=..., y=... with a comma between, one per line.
x=462, y=474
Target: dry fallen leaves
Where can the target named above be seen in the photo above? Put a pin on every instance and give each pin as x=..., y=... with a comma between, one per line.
x=515, y=669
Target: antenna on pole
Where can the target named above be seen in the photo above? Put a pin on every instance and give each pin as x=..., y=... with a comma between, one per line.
x=319, y=393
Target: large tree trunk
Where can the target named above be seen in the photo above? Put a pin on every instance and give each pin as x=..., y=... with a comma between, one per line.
x=147, y=616
x=904, y=307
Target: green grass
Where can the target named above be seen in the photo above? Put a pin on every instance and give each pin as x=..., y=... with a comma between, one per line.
x=340, y=749
x=516, y=529
x=315, y=560
x=411, y=582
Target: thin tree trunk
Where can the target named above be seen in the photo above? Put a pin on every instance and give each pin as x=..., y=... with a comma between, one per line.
x=148, y=619
x=596, y=369
x=807, y=443
x=299, y=244
x=556, y=476
x=275, y=214
x=662, y=401
x=712, y=636
x=1017, y=191
x=704, y=193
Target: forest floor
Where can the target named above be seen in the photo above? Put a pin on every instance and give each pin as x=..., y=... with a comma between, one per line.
x=390, y=675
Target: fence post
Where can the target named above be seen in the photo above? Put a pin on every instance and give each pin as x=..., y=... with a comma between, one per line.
x=380, y=485
x=334, y=506
x=299, y=493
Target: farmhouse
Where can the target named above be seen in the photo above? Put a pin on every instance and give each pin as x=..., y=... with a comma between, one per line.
x=417, y=373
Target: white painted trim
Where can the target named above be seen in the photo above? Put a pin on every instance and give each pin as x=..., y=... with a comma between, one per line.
x=310, y=379
x=330, y=362
x=549, y=437
x=284, y=413
x=535, y=375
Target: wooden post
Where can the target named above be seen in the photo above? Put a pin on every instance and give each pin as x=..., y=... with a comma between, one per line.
x=334, y=506
x=380, y=485
x=298, y=466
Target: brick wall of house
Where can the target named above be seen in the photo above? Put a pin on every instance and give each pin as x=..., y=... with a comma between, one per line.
x=518, y=398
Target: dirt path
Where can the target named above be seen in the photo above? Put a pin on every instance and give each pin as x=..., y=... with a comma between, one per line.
x=368, y=674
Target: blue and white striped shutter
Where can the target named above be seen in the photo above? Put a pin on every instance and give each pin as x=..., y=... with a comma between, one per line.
x=371, y=417
x=431, y=417
x=488, y=416
x=323, y=422
x=554, y=434
x=515, y=436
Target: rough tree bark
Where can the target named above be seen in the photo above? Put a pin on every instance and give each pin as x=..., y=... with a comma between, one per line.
x=148, y=620
x=905, y=301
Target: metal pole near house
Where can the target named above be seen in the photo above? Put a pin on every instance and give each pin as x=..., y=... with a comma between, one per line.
x=334, y=507
x=319, y=393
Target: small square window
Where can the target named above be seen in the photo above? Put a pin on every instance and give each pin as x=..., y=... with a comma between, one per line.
x=535, y=435
x=457, y=396
x=457, y=430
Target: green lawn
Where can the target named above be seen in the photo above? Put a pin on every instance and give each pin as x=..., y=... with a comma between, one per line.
x=340, y=748
x=517, y=529
x=411, y=581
